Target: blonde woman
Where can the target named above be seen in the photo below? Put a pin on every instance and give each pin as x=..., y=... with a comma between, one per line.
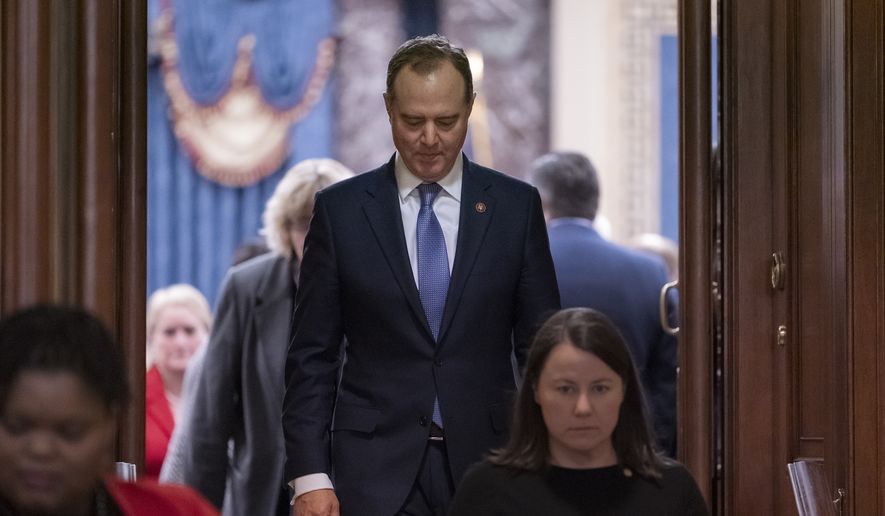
x=239, y=390
x=178, y=323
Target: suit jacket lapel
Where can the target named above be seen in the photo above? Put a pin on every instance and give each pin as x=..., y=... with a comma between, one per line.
x=477, y=210
x=384, y=214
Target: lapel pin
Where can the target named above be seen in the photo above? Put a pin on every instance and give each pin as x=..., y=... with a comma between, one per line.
x=480, y=207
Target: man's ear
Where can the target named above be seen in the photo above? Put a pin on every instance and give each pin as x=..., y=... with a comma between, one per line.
x=472, y=101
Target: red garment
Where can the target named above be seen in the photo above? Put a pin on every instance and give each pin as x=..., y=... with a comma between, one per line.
x=149, y=498
x=158, y=423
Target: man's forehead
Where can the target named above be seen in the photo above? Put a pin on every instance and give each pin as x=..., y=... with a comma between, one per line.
x=420, y=71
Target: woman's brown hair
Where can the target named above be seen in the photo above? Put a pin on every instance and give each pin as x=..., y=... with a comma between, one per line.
x=590, y=331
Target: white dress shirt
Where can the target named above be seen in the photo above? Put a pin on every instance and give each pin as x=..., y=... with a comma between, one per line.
x=447, y=207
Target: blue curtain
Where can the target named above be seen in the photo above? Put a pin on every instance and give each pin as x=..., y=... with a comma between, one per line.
x=194, y=224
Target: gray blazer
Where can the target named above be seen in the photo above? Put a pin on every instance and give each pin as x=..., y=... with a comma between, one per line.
x=239, y=392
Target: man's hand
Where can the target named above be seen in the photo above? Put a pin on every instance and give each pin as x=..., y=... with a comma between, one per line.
x=321, y=502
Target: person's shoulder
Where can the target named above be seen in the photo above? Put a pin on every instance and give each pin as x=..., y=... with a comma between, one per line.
x=485, y=467
x=486, y=472
x=645, y=260
x=149, y=497
x=256, y=267
x=488, y=488
x=641, y=263
x=676, y=476
x=248, y=278
x=481, y=469
x=153, y=390
x=680, y=483
x=259, y=263
x=674, y=470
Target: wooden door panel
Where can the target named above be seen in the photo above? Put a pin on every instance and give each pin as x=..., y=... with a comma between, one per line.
x=780, y=129
x=72, y=169
x=865, y=185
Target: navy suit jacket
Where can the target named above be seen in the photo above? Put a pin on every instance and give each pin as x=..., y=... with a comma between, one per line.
x=624, y=285
x=356, y=282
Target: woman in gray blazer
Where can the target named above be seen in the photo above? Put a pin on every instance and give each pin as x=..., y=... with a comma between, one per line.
x=231, y=448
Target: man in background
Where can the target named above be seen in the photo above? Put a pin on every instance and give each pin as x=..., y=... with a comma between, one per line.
x=623, y=284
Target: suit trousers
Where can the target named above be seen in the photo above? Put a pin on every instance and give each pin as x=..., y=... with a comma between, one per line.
x=433, y=489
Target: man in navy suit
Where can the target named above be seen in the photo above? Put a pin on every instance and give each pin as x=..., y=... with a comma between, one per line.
x=623, y=284
x=435, y=270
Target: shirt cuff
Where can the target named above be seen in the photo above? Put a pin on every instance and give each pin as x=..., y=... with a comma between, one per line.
x=308, y=483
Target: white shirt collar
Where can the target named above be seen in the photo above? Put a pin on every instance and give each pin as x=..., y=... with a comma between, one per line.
x=406, y=181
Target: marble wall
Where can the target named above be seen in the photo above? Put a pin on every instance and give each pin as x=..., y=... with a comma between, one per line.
x=370, y=31
x=510, y=122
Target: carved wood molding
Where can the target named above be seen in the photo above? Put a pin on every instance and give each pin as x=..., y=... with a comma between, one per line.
x=865, y=103
x=695, y=339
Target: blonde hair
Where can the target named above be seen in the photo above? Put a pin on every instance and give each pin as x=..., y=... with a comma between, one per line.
x=292, y=201
x=180, y=294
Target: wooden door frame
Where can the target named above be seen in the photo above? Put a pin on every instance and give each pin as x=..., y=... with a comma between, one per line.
x=761, y=79
x=864, y=438
x=73, y=170
x=132, y=221
x=758, y=153
x=695, y=237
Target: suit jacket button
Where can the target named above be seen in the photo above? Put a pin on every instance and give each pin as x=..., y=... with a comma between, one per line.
x=422, y=420
x=437, y=363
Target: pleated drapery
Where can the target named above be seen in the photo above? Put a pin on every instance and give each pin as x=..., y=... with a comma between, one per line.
x=195, y=223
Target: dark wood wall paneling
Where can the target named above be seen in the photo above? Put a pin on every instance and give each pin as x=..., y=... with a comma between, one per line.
x=754, y=446
x=810, y=222
x=695, y=218
x=834, y=204
x=865, y=97
x=72, y=189
x=132, y=219
x=804, y=169
x=812, y=108
x=781, y=139
x=27, y=180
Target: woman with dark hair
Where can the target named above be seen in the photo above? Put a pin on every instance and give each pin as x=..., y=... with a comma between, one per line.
x=62, y=387
x=580, y=442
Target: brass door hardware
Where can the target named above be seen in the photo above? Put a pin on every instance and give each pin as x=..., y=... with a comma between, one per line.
x=778, y=270
x=662, y=308
x=781, y=336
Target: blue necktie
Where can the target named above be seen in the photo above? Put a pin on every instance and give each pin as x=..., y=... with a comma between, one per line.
x=433, y=267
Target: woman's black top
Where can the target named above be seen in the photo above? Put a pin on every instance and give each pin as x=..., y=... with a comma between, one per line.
x=491, y=490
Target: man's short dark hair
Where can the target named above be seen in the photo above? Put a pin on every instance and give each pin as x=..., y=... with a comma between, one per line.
x=568, y=184
x=423, y=55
